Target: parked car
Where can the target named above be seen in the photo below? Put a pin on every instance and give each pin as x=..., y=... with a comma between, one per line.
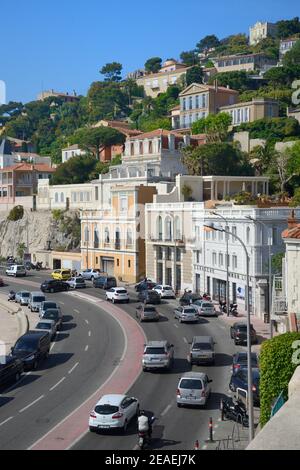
x=193, y=389
x=1, y=282
x=16, y=270
x=188, y=298
x=53, y=285
x=11, y=369
x=61, y=274
x=202, y=350
x=145, y=284
x=117, y=294
x=165, y=291
x=186, y=314
x=158, y=355
x=32, y=347
x=204, y=308
x=55, y=315
x=240, y=380
x=76, y=283
x=238, y=332
x=22, y=297
x=90, y=274
x=113, y=411
x=105, y=282
x=148, y=297
x=46, y=305
x=47, y=325
x=146, y=312
x=35, y=301
x=240, y=359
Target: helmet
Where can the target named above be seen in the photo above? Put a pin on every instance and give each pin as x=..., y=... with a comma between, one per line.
x=142, y=412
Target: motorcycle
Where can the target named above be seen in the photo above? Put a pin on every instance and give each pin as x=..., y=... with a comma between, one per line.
x=235, y=411
x=206, y=297
x=145, y=436
x=233, y=310
x=11, y=295
x=39, y=266
x=223, y=307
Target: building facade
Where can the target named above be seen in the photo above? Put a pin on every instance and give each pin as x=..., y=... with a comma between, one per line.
x=156, y=83
x=66, y=97
x=247, y=62
x=250, y=111
x=261, y=30
x=286, y=45
x=70, y=152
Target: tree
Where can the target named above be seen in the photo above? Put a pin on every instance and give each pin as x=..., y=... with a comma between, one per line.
x=287, y=164
x=189, y=57
x=292, y=57
x=112, y=72
x=216, y=159
x=95, y=139
x=260, y=158
x=153, y=64
x=208, y=42
x=214, y=125
x=286, y=28
x=21, y=250
x=275, y=128
x=75, y=171
x=194, y=75
x=277, y=75
x=106, y=100
x=238, y=80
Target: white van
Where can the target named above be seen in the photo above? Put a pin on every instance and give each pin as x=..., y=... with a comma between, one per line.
x=35, y=301
x=16, y=270
x=193, y=389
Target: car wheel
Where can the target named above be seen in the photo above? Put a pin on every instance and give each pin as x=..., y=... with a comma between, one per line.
x=92, y=429
x=51, y=291
x=179, y=405
x=113, y=300
x=144, y=369
x=235, y=342
x=137, y=410
x=127, y=301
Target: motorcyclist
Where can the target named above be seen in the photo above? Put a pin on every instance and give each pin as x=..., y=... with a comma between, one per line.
x=11, y=295
x=144, y=423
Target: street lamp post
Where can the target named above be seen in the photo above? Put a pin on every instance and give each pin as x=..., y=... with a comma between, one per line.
x=269, y=272
x=87, y=240
x=175, y=252
x=218, y=228
x=227, y=262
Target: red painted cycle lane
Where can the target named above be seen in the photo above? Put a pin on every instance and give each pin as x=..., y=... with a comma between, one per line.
x=75, y=425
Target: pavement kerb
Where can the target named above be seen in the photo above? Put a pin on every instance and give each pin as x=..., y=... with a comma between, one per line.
x=18, y=315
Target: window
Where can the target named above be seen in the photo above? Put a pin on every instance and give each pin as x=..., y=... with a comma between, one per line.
x=177, y=228
x=129, y=263
x=220, y=235
x=123, y=203
x=234, y=261
x=96, y=193
x=150, y=147
x=233, y=230
x=117, y=239
x=132, y=149
x=168, y=228
x=197, y=257
x=248, y=235
x=159, y=252
x=190, y=102
x=141, y=148
x=56, y=197
x=203, y=101
x=214, y=258
x=129, y=240
x=118, y=262
x=96, y=237
x=197, y=102
x=169, y=253
x=86, y=234
x=178, y=254
x=159, y=228
x=220, y=259
x=106, y=235
x=214, y=235
x=97, y=260
x=184, y=104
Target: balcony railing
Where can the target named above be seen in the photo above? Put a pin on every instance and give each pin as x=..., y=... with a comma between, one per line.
x=279, y=301
x=117, y=245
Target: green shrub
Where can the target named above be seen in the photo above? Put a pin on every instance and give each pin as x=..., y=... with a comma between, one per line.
x=16, y=213
x=276, y=370
x=57, y=214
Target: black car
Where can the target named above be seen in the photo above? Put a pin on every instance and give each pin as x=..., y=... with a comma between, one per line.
x=149, y=297
x=105, y=282
x=189, y=298
x=11, y=369
x=240, y=360
x=238, y=332
x=240, y=380
x=54, y=285
x=145, y=284
x=32, y=347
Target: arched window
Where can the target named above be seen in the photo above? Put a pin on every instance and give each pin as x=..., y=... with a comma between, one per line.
x=106, y=235
x=150, y=146
x=248, y=235
x=56, y=197
x=118, y=239
x=96, y=237
x=132, y=149
x=159, y=228
x=129, y=240
x=168, y=228
x=62, y=197
x=86, y=234
x=178, y=234
x=141, y=148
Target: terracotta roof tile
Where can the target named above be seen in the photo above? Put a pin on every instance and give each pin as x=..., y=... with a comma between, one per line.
x=293, y=232
x=28, y=167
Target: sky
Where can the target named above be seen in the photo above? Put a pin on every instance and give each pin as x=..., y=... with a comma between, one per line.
x=62, y=44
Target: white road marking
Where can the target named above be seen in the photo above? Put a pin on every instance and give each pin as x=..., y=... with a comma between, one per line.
x=71, y=370
x=216, y=426
x=62, y=303
x=136, y=447
x=86, y=321
x=28, y=406
x=56, y=385
x=204, y=447
x=90, y=333
x=75, y=310
x=8, y=419
x=185, y=340
x=166, y=410
x=219, y=419
x=86, y=348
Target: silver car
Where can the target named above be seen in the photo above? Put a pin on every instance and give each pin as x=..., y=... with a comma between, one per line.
x=22, y=297
x=47, y=325
x=186, y=314
x=35, y=301
x=158, y=355
x=202, y=350
x=76, y=282
x=205, y=308
x=46, y=305
x=90, y=274
x=193, y=389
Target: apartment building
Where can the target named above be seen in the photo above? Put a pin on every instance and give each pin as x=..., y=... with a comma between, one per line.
x=198, y=101
x=248, y=62
x=70, y=152
x=286, y=45
x=66, y=97
x=250, y=111
x=11, y=155
x=261, y=30
x=156, y=83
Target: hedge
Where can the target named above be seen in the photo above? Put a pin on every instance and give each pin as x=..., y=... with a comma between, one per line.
x=276, y=370
x=16, y=213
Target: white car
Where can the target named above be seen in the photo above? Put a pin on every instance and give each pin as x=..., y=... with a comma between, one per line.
x=76, y=282
x=117, y=294
x=205, y=308
x=90, y=274
x=165, y=291
x=113, y=411
x=16, y=270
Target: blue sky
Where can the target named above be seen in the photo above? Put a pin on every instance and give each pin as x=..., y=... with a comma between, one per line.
x=63, y=44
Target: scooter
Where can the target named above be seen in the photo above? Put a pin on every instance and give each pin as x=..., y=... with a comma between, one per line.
x=145, y=436
x=233, y=310
x=235, y=411
x=11, y=295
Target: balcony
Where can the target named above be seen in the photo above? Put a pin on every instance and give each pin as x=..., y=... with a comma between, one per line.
x=117, y=245
x=167, y=241
x=279, y=301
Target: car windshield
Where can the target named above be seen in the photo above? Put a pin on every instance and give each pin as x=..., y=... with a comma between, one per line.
x=38, y=299
x=51, y=314
x=25, y=345
x=25, y=294
x=189, y=310
x=106, y=409
x=79, y=280
x=149, y=309
x=205, y=346
x=44, y=326
x=207, y=304
x=49, y=305
x=191, y=384
x=242, y=357
x=155, y=351
x=242, y=327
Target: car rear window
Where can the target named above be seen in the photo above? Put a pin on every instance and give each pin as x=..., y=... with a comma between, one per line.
x=155, y=351
x=121, y=291
x=149, y=309
x=204, y=346
x=49, y=305
x=189, y=310
x=207, y=304
x=51, y=315
x=43, y=326
x=38, y=298
x=20, y=268
x=28, y=344
x=65, y=272
x=194, y=384
x=106, y=409
x=167, y=288
x=79, y=279
x=25, y=294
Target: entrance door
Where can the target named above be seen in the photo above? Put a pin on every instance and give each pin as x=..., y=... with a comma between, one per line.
x=108, y=266
x=169, y=276
x=198, y=283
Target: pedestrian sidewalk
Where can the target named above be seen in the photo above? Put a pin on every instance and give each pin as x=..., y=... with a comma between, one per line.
x=13, y=324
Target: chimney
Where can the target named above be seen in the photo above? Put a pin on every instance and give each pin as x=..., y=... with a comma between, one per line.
x=292, y=222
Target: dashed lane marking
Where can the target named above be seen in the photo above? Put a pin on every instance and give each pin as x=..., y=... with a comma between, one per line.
x=86, y=321
x=75, y=310
x=31, y=404
x=56, y=385
x=62, y=303
x=6, y=421
x=185, y=340
x=176, y=326
x=90, y=333
x=71, y=370
x=86, y=348
x=166, y=410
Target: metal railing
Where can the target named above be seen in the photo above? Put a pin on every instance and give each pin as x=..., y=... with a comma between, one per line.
x=279, y=300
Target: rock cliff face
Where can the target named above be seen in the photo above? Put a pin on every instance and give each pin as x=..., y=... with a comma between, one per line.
x=37, y=228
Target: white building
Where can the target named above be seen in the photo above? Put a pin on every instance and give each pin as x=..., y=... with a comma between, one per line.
x=72, y=151
x=286, y=45
x=261, y=30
